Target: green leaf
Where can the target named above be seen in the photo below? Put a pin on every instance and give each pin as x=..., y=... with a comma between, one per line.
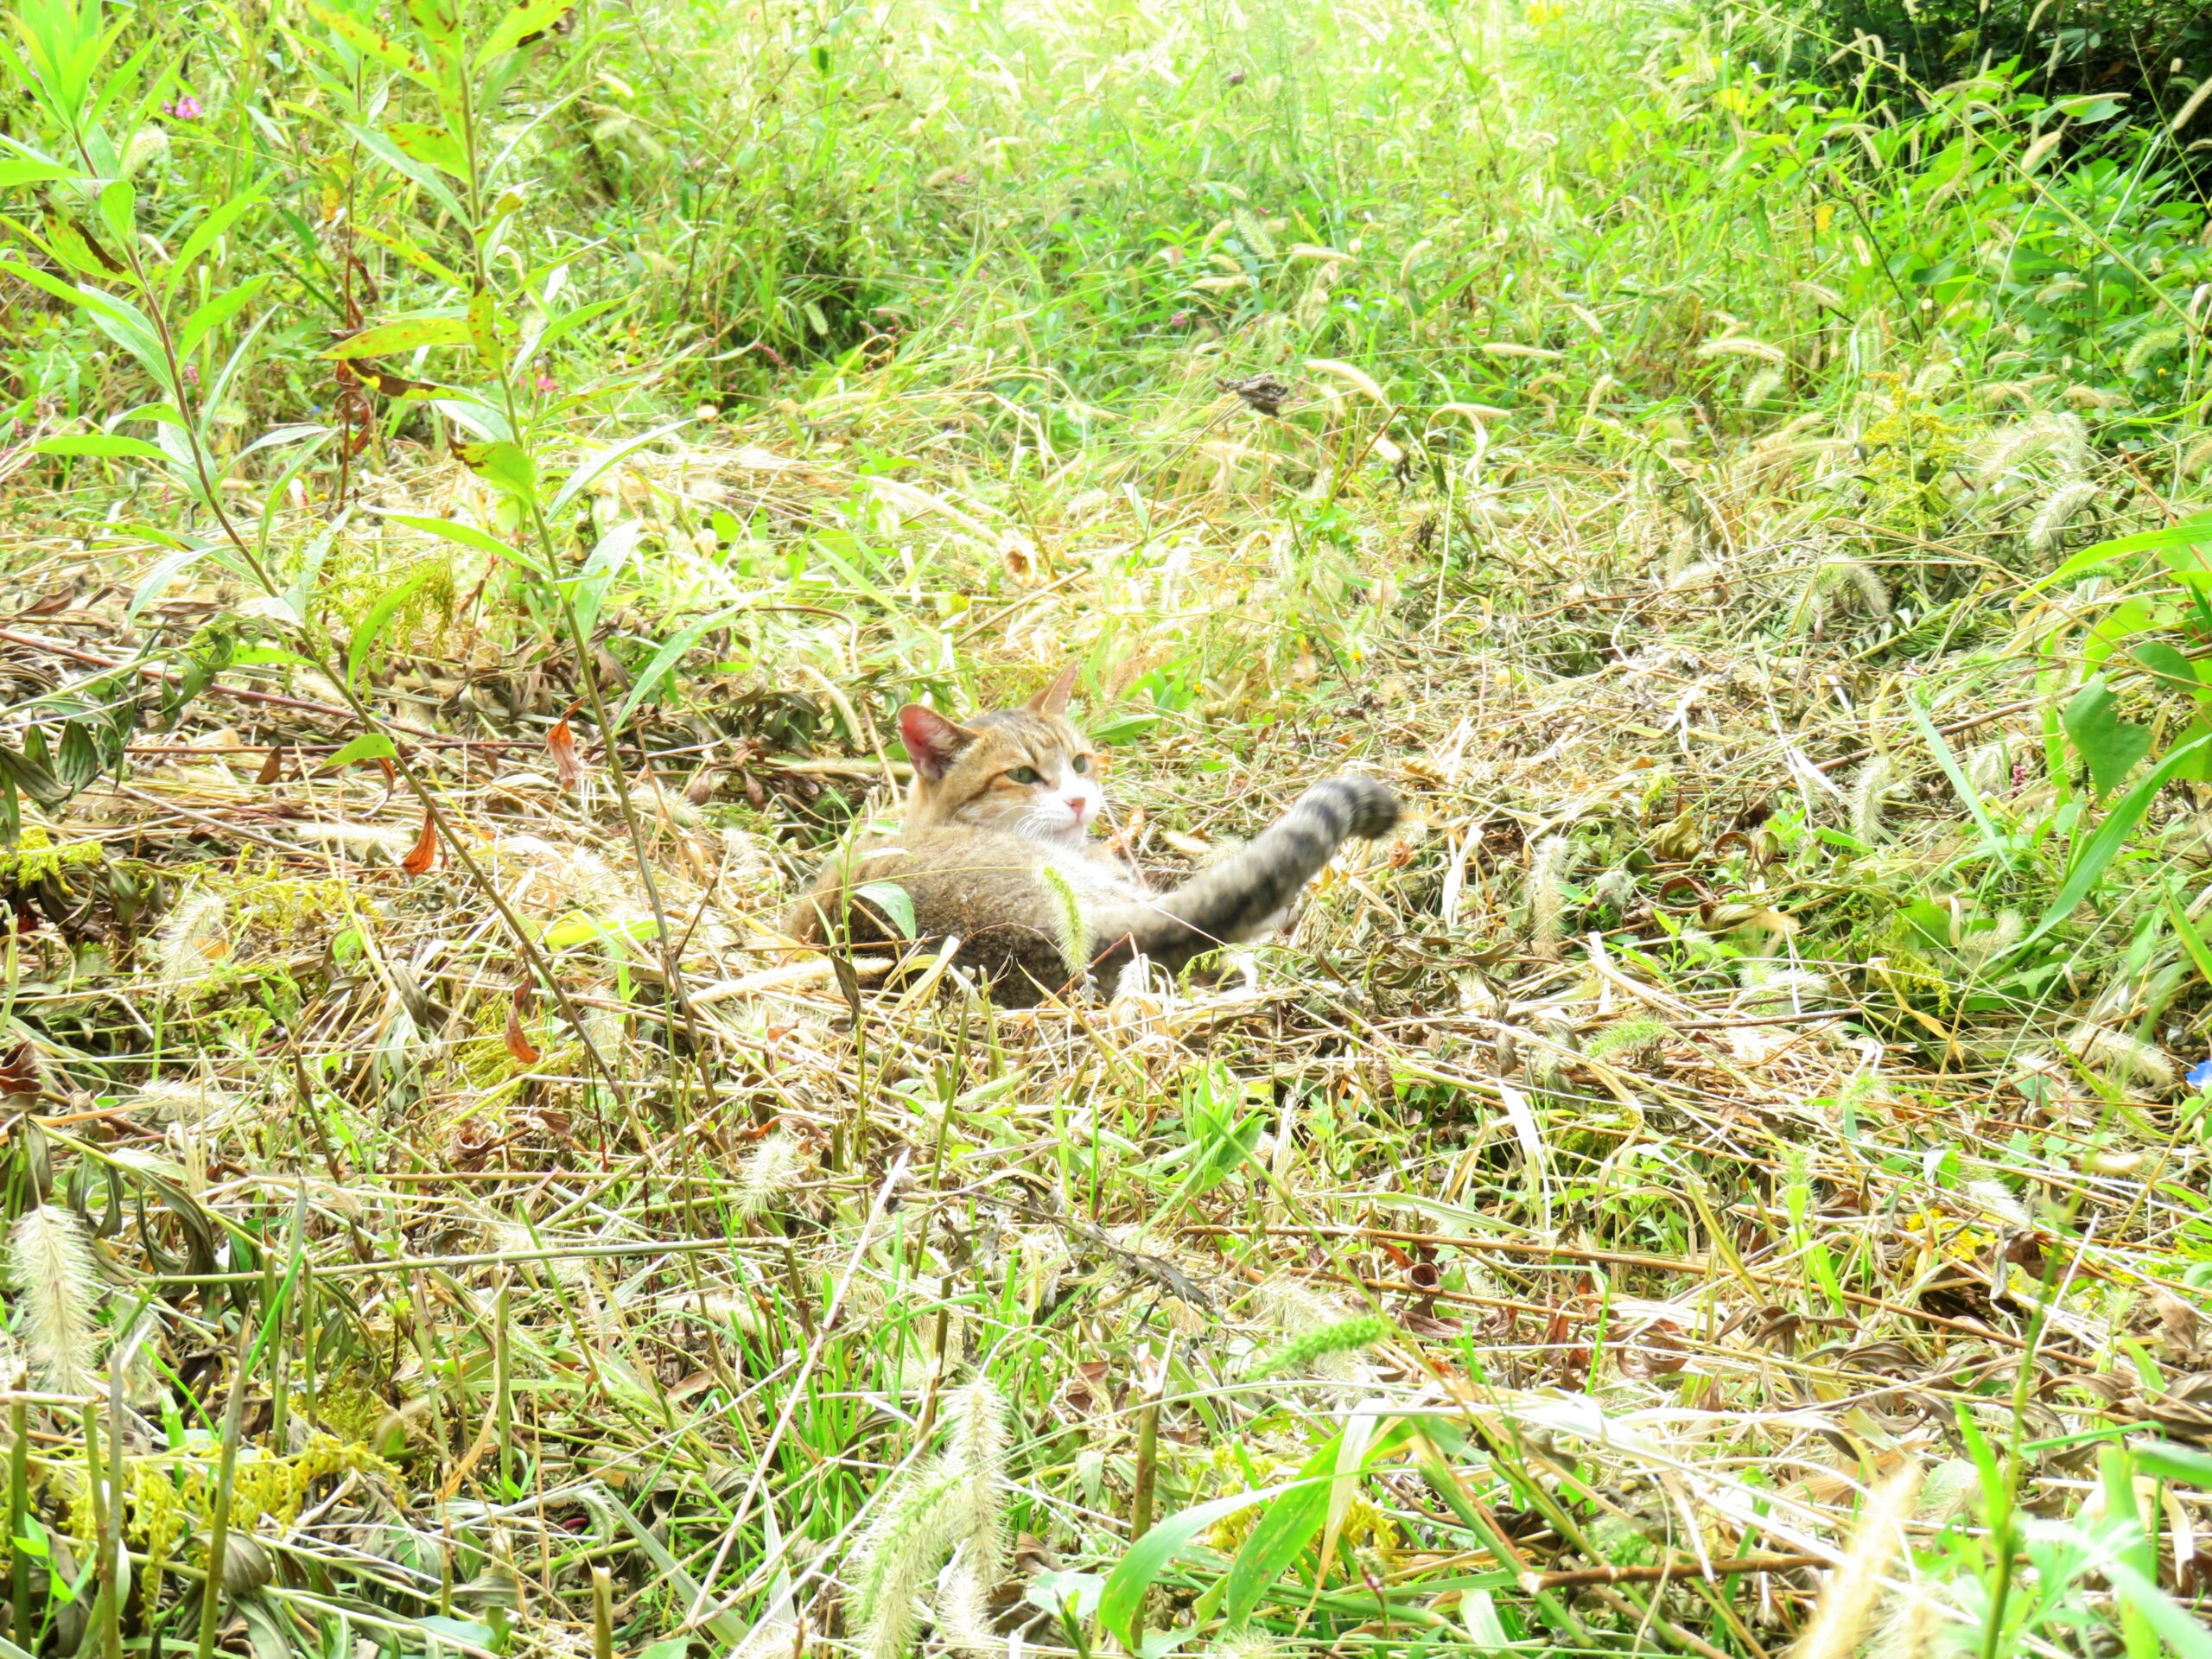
x=2167, y=666
x=217, y=312
x=504, y=464
x=2199, y=953
x=525, y=17
x=2105, y=845
x=464, y=535
x=203, y=234
x=101, y=444
x=892, y=900
x=2175, y=544
x=2183, y=1464
x=1992, y=842
x=391, y=154
x=569, y=321
x=671, y=654
x=2109, y=745
x=1281, y=1535
x=378, y=619
x=1127, y=1584
x=369, y=41
x=591, y=468
x=430, y=144
x=407, y=334
x=370, y=746
x=439, y=19
x=484, y=330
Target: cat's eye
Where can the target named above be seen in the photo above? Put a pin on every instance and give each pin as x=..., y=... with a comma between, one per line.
x=1081, y=763
x=1022, y=775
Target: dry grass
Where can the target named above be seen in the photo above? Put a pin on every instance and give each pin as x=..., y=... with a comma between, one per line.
x=1685, y=1226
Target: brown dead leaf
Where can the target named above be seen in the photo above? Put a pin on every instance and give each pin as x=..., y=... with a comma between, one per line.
x=418, y=862
x=272, y=769
x=518, y=1043
x=561, y=743
x=19, y=1072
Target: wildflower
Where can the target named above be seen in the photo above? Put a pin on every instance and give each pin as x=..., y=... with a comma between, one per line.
x=547, y=385
x=184, y=107
x=2200, y=1075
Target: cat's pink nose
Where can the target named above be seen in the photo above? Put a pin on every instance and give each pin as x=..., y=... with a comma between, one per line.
x=1078, y=805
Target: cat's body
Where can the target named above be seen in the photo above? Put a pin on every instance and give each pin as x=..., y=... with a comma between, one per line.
x=993, y=851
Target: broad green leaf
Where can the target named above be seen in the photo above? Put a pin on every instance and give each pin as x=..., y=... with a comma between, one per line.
x=2173, y=545
x=506, y=465
x=217, y=312
x=463, y=536
x=592, y=468
x=400, y=161
x=671, y=654
x=1281, y=1535
x=569, y=321
x=370, y=746
x=439, y=19
x=368, y=41
x=1126, y=1585
x=407, y=334
x=522, y=17
x=484, y=330
x=2108, y=744
x=101, y=444
x=2105, y=845
x=166, y=570
x=2184, y=1464
x=2167, y=666
x=892, y=900
x=396, y=242
x=430, y=144
x=203, y=234
x=378, y=619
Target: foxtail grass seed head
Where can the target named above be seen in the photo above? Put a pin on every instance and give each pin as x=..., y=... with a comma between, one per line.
x=1854, y=1587
x=899, y=1555
x=1303, y=1355
x=1979, y=943
x=765, y=1177
x=57, y=1284
x=185, y=946
x=1989, y=769
x=2057, y=515
x=1246, y=1644
x=1547, y=874
x=1870, y=792
x=2124, y=1061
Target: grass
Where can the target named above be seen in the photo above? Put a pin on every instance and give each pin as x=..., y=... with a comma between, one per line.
x=1730, y=1172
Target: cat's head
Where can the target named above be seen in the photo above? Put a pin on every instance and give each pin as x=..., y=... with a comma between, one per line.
x=1023, y=772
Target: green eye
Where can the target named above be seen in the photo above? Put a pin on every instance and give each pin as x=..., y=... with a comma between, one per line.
x=1023, y=775
x=1081, y=763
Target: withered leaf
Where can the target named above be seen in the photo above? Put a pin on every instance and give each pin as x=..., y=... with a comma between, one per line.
x=561, y=743
x=426, y=849
x=272, y=769
x=19, y=1070
x=518, y=1043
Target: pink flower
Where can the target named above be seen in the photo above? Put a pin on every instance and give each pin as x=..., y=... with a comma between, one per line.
x=184, y=108
x=547, y=385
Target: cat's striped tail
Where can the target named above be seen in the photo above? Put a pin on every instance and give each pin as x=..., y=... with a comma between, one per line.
x=1238, y=898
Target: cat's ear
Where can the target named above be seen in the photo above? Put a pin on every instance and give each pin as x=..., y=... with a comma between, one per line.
x=933, y=741
x=1053, y=699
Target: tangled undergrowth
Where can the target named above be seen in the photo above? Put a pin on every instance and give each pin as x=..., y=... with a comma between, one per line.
x=1729, y=1172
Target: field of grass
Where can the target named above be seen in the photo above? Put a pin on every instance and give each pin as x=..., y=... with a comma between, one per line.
x=1728, y=1177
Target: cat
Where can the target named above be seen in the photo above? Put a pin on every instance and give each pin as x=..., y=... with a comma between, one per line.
x=993, y=851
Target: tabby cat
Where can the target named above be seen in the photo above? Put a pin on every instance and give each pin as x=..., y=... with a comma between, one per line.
x=992, y=851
